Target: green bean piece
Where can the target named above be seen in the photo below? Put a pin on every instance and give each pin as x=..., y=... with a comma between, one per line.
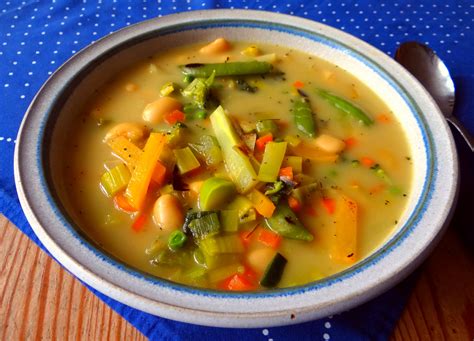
x=286, y=224
x=227, y=69
x=176, y=240
x=303, y=116
x=346, y=107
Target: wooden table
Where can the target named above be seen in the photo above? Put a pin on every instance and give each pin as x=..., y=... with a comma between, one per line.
x=40, y=300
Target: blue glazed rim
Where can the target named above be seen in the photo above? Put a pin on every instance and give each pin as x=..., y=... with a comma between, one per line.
x=48, y=123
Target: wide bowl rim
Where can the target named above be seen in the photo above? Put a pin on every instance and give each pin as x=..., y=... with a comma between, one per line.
x=208, y=317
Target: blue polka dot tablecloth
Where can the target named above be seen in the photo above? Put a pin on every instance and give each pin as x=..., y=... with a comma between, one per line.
x=36, y=37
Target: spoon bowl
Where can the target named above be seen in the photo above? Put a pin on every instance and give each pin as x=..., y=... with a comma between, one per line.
x=423, y=63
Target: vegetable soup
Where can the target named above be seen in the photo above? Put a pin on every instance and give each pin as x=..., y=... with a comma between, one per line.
x=236, y=166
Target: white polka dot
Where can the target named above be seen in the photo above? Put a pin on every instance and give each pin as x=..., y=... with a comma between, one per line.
x=327, y=325
x=326, y=336
x=265, y=332
x=9, y=139
x=22, y=96
x=6, y=85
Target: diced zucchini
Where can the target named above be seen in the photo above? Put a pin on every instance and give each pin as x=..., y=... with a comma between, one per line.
x=215, y=193
x=274, y=271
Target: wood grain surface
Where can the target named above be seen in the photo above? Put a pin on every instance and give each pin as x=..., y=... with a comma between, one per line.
x=40, y=300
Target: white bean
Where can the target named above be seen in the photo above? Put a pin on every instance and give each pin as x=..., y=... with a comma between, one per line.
x=155, y=111
x=168, y=213
x=217, y=46
x=132, y=131
x=329, y=143
x=259, y=259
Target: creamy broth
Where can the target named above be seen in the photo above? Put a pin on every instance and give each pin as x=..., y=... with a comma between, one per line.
x=373, y=170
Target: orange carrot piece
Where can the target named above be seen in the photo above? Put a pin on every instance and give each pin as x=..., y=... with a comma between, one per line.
x=262, y=203
x=126, y=150
x=141, y=176
x=298, y=84
x=329, y=205
x=294, y=204
x=174, y=116
x=269, y=238
x=121, y=202
x=262, y=141
x=139, y=222
x=159, y=174
x=367, y=161
x=382, y=118
x=350, y=142
x=240, y=282
x=286, y=172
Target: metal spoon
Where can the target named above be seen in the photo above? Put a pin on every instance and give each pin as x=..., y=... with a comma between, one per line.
x=423, y=63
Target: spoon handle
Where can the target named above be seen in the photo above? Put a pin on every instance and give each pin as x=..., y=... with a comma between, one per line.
x=464, y=133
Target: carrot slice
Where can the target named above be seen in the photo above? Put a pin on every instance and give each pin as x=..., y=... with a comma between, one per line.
x=286, y=172
x=240, y=281
x=121, y=202
x=139, y=222
x=262, y=141
x=350, y=142
x=141, y=176
x=159, y=174
x=174, y=116
x=269, y=238
x=298, y=84
x=367, y=161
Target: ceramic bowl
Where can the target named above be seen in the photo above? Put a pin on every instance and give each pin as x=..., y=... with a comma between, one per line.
x=431, y=200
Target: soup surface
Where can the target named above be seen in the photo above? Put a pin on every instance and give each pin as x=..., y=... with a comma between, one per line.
x=236, y=166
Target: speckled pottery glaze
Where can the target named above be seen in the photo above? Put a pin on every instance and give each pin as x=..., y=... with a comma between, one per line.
x=50, y=115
